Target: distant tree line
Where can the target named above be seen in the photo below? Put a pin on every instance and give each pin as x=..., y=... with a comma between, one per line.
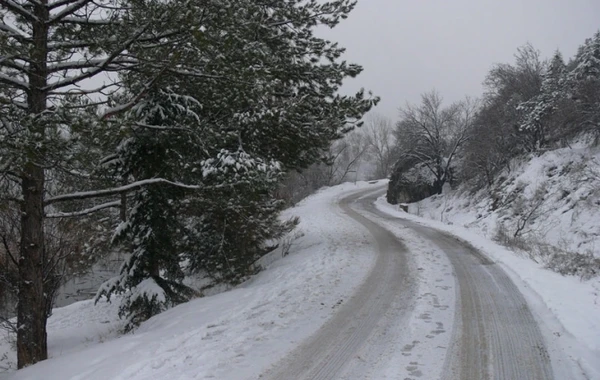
x=529, y=106
x=366, y=153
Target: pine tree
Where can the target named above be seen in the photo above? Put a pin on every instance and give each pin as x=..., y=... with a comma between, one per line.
x=266, y=102
x=536, y=123
x=49, y=50
x=151, y=278
x=584, y=85
x=587, y=60
x=265, y=93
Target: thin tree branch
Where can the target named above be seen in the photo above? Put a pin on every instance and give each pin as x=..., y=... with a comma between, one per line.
x=18, y=10
x=101, y=67
x=69, y=10
x=14, y=82
x=8, y=252
x=130, y=187
x=91, y=210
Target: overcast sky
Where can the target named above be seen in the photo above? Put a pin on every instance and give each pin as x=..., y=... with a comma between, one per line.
x=408, y=47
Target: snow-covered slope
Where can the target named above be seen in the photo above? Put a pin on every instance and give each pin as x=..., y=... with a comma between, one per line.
x=553, y=199
x=233, y=335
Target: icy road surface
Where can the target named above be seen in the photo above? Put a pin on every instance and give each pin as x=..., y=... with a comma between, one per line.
x=493, y=335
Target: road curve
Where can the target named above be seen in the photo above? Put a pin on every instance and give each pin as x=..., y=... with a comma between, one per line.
x=325, y=354
x=495, y=335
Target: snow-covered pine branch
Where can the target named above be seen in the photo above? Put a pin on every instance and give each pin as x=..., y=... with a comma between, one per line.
x=17, y=9
x=116, y=190
x=14, y=33
x=134, y=186
x=101, y=67
x=112, y=111
x=13, y=82
x=87, y=21
x=82, y=64
x=70, y=8
x=87, y=91
x=91, y=210
x=60, y=3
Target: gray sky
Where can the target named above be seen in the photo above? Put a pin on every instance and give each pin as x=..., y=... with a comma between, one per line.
x=408, y=47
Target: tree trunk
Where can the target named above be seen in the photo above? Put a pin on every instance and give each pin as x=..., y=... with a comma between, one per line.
x=32, y=309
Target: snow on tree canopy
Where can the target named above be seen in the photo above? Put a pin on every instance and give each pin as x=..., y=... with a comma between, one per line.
x=588, y=66
x=240, y=163
x=150, y=290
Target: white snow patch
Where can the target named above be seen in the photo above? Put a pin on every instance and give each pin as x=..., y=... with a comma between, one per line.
x=559, y=190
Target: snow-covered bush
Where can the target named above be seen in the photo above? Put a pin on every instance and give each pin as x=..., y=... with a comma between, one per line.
x=583, y=265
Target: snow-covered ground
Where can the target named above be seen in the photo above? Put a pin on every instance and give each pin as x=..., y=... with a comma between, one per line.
x=554, y=198
x=240, y=333
x=232, y=335
x=564, y=185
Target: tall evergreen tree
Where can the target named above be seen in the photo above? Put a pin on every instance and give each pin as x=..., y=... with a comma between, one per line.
x=150, y=230
x=537, y=121
x=266, y=102
x=254, y=70
x=584, y=85
x=587, y=60
x=49, y=49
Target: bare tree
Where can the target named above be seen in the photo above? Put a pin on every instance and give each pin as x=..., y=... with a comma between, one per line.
x=496, y=137
x=379, y=133
x=491, y=146
x=432, y=135
x=346, y=156
x=520, y=81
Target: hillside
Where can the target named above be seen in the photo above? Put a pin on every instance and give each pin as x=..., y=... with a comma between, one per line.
x=546, y=214
x=547, y=207
x=238, y=334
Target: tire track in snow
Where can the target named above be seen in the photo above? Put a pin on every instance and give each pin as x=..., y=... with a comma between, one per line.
x=495, y=335
x=327, y=352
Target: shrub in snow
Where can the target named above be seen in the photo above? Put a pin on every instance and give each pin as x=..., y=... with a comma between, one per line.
x=411, y=185
x=582, y=265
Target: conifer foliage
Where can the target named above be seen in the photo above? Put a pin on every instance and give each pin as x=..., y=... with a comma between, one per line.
x=181, y=114
x=584, y=86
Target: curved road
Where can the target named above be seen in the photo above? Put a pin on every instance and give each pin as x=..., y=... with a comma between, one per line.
x=494, y=336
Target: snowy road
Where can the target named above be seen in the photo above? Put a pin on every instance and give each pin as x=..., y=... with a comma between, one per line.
x=494, y=334
x=327, y=353
x=362, y=294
